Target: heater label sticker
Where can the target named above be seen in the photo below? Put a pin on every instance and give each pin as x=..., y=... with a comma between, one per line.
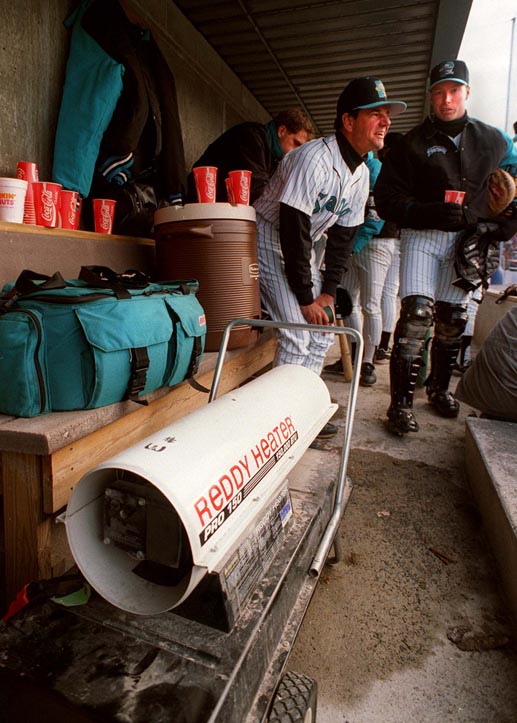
x=231, y=489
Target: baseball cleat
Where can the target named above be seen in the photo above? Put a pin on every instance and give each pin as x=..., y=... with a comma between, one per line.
x=401, y=420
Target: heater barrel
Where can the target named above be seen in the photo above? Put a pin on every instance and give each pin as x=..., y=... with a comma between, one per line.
x=147, y=525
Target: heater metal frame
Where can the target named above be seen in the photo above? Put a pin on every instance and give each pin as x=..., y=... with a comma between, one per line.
x=344, y=488
x=236, y=673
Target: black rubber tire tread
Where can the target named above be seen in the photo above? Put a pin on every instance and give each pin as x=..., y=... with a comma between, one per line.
x=295, y=695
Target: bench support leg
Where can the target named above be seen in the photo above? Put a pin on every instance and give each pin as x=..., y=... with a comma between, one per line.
x=27, y=530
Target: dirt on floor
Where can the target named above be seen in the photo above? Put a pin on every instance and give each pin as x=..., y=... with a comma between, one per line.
x=411, y=627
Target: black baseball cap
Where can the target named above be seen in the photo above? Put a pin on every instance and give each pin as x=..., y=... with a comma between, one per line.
x=455, y=70
x=367, y=92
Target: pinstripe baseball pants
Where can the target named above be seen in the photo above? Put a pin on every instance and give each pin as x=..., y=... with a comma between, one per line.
x=372, y=282
x=304, y=348
x=472, y=310
x=427, y=266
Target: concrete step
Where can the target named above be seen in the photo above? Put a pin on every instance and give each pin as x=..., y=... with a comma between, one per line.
x=491, y=463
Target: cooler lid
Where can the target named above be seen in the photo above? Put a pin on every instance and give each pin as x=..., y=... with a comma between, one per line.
x=204, y=212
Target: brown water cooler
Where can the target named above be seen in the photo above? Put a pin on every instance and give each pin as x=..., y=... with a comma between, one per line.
x=216, y=244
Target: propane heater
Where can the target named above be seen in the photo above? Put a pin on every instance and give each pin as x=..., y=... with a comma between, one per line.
x=146, y=526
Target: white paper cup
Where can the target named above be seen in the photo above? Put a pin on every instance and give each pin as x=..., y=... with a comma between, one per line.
x=12, y=199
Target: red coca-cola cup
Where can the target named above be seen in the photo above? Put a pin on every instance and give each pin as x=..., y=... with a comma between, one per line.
x=28, y=171
x=103, y=214
x=241, y=184
x=68, y=209
x=229, y=191
x=46, y=202
x=454, y=197
x=206, y=180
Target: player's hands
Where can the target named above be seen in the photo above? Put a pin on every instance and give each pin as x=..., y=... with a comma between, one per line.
x=315, y=313
x=441, y=215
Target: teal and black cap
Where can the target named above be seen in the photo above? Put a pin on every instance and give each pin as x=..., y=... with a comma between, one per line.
x=455, y=70
x=362, y=93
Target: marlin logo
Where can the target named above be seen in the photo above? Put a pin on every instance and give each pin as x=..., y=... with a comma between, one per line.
x=446, y=69
x=379, y=87
x=436, y=149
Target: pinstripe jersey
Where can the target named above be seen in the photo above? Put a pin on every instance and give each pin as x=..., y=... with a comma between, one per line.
x=315, y=180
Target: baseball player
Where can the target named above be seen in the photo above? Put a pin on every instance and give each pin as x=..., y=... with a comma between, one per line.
x=372, y=279
x=448, y=151
x=254, y=147
x=320, y=188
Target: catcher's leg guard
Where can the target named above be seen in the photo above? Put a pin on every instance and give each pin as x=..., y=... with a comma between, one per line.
x=450, y=322
x=416, y=317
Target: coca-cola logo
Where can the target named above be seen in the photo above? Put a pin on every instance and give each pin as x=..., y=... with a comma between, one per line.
x=105, y=218
x=48, y=206
x=71, y=214
x=210, y=185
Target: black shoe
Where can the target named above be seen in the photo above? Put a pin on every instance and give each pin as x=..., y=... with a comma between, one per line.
x=382, y=356
x=444, y=403
x=328, y=431
x=336, y=368
x=368, y=376
x=401, y=420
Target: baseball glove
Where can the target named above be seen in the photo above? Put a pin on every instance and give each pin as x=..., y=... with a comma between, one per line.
x=501, y=191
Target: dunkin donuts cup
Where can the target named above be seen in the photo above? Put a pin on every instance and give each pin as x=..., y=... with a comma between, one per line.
x=28, y=171
x=229, y=191
x=454, y=197
x=68, y=209
x=12, y=199
x=46, y=202
x=103, y=214
x=241, y=184
x=206, y=179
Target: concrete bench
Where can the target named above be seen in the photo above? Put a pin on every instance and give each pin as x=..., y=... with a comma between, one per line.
x=491, y=464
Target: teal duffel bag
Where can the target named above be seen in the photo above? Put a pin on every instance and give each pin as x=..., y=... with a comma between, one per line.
x=87, y=342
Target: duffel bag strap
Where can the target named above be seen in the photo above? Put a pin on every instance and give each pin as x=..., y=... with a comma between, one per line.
x=139, y=365
x=194, y=366
x=130, y=278
x=134, y=279
x=104, y=278
x=197, y=386
x=26, y=284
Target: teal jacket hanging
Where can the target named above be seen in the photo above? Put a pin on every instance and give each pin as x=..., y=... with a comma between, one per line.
x=93, y=85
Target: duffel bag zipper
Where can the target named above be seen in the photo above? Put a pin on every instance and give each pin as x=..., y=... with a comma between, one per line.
x=37, y=365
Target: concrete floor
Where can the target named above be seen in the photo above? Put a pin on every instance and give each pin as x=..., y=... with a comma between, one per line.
x=411, y=627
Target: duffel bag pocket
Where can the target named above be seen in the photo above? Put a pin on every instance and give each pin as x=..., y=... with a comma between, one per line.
x=24, y=387
x=189, y=338
x=129, y=341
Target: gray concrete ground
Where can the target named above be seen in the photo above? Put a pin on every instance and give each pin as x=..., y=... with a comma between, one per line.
x=411, y=627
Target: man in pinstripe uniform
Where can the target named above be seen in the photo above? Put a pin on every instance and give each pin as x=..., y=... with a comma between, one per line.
x=372, y=278
x=319, y=188
x=449, y=150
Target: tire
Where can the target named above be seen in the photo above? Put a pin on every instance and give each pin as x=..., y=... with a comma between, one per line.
x=295, y=700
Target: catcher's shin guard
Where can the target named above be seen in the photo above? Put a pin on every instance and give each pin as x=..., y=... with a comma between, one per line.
x=450, y=322
x=415, y=318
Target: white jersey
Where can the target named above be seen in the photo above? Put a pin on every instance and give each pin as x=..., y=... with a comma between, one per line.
x=315, y=180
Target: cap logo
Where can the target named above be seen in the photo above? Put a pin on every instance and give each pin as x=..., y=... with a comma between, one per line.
x=379, y=87
x=446, y=69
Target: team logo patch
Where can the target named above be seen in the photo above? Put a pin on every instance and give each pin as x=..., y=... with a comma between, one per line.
x=446, y=69
x=379, y=87
x=436, y=149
